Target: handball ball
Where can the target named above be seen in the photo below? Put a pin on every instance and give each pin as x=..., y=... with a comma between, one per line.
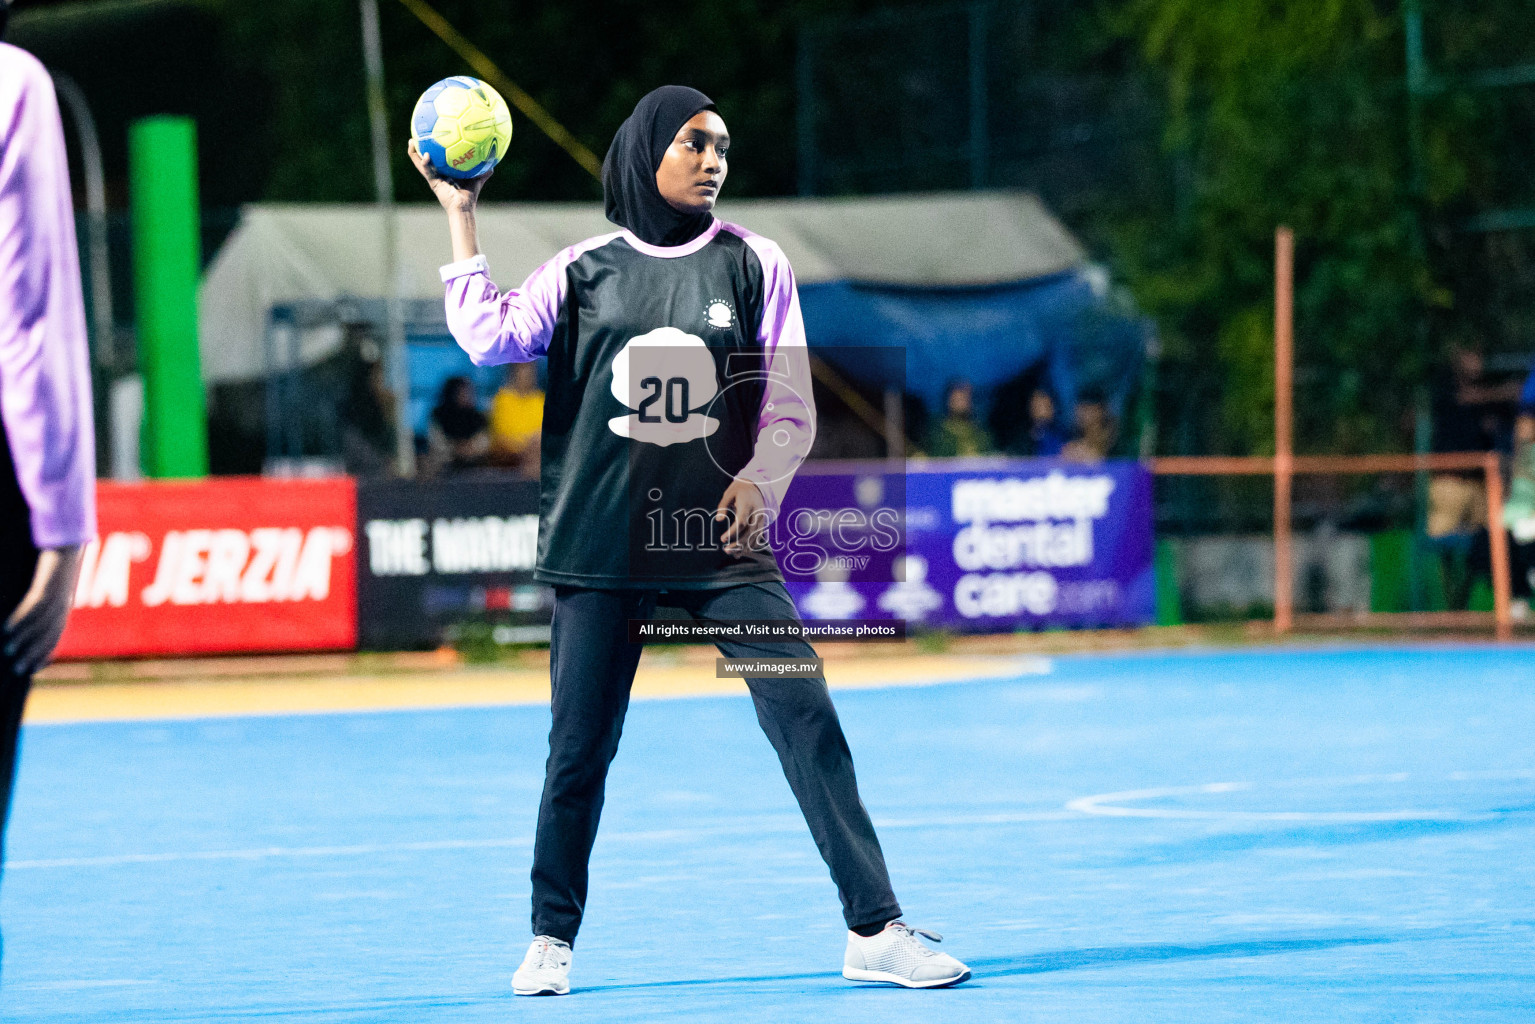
x=462, y=126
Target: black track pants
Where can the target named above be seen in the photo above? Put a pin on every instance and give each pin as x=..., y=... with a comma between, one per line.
x=592, y=667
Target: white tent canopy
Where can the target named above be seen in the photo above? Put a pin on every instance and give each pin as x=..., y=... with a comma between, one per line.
x=288, y=253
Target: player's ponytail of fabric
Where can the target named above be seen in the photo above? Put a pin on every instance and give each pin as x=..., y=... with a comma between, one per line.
x=629, y=171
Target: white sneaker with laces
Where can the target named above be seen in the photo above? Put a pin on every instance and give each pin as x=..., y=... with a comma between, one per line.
x=545, y=971
x=895, y=955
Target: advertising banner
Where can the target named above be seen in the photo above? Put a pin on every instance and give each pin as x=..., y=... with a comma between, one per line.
x=1003, y=545
x=237, y=564
x=438, y=552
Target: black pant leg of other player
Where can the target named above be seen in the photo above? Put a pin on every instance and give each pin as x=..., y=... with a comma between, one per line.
x=18, y=561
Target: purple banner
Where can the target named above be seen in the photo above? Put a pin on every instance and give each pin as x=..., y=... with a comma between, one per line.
x=993, y=546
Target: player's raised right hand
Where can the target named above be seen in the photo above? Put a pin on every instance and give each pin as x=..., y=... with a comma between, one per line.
x=454, y=194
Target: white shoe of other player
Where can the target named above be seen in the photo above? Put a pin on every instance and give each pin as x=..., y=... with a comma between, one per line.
x=545, y=971
x=895, y=955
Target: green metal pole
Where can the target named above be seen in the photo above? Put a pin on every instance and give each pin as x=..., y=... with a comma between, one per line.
x=162, y=170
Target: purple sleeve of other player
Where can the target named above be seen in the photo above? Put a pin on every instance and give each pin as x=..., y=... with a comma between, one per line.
x=786, y=426
x=45, y=391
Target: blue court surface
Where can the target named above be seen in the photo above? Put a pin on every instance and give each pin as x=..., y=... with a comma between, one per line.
x=1274, y=835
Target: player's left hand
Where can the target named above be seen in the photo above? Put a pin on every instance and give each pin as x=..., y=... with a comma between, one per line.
x=744, y=500
x=32, y=632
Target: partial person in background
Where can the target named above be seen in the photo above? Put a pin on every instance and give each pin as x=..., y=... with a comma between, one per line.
x=958, y=433
x=1471, y=414
x=367, y=416
x=1045, y=439
x=517, y=421
x=458, y=436
x=48, y=448
x=1032, y=413
x=1096, y=430
x=1519, y=512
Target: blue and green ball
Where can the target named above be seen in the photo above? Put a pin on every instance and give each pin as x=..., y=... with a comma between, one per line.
x=462, y=126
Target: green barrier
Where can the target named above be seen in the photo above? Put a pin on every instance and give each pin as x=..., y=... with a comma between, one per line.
x=1391, y=571
x=162, y=170
x=1169, y=601
x=1395, y=556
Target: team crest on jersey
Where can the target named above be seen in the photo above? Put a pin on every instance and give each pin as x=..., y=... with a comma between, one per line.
x=720, y=314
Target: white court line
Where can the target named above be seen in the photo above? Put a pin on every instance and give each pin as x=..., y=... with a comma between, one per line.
x=264, y=852
x=650, y=835
x=1109, y=805
x=70, y=986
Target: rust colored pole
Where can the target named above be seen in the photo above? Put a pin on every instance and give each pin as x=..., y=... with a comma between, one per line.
x=1502, y=585
x=1284, y=421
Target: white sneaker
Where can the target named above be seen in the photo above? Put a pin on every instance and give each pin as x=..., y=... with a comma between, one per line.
x=895, y=955
x=545, y=970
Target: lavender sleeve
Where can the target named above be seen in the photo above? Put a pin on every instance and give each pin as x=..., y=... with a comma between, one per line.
x=45, y=389
x=786, y=424
x=510, y=327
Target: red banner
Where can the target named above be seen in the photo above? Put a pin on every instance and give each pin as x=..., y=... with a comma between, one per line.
x=236, y=564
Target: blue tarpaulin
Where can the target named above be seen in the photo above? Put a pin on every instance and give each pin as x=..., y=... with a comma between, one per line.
x=1057, y=325
x=918, y=339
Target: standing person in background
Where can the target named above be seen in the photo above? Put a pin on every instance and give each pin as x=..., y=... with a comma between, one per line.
x=517, y=421
x=367, y=414
x=1471, y=414
x=48, y=448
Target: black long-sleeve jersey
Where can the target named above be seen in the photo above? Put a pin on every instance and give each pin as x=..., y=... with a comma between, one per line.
x=672, y=372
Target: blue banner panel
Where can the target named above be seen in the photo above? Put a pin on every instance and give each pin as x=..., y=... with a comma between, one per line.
x=999, y=546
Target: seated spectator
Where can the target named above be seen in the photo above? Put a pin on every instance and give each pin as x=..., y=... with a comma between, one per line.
x=1045, y=439
x=1096, y=430
x=458, y=437
x=517, y=421
x=958, y=433
x=1031, y=412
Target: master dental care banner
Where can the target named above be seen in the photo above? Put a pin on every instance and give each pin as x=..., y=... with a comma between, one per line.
x=236, y=564
x=1000, y=546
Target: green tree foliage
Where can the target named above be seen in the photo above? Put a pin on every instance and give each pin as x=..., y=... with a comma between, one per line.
x=1299, y=113
x=1285, y=113
x=586, y=61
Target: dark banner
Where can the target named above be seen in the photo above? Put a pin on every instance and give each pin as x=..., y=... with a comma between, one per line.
x=435, y=553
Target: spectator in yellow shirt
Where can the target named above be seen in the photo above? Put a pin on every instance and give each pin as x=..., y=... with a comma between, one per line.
x=517, y=420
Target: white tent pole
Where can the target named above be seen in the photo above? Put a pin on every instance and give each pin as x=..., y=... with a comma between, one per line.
x=383, y=181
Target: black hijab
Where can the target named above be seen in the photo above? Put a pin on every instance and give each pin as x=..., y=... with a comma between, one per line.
x=629, y=170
